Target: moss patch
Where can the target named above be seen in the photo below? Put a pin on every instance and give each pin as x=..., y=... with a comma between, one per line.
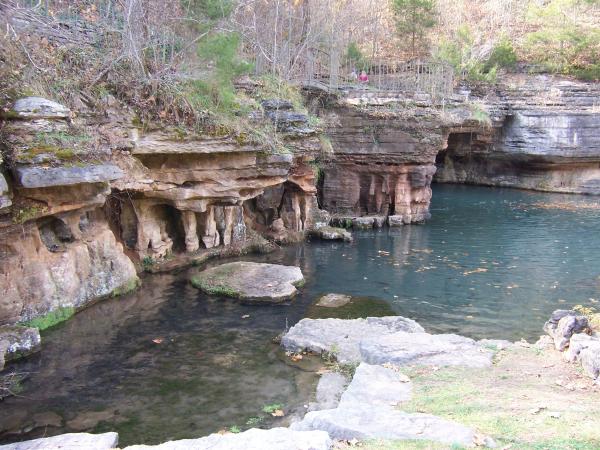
x=51, y=319
x=129, y=286
x=215, y=283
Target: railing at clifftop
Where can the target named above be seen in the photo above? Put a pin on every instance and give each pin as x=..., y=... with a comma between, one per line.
x=430, y=77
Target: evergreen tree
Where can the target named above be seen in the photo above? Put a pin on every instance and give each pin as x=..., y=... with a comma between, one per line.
x=414, y=18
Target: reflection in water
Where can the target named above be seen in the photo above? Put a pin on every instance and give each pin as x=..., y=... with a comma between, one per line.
x=490, y=263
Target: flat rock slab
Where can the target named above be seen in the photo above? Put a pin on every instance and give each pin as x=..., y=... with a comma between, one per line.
x=367, y=410
x=376, y=385
x=257, y=282
x=333, y=300
x=253, y=439
x=342, y=337
x=403, y=348
x=329, y=391
x=70, y=441
x=41, y=177
x=368, y=422
x=17, y=341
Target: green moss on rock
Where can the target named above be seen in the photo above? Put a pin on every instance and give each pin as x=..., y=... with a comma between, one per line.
x=51, y=318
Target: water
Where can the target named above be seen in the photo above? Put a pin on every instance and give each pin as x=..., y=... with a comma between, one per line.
x=490, y=263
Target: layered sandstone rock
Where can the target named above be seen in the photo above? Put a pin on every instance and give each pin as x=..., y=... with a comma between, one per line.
x=547, y=138
x=87, y=195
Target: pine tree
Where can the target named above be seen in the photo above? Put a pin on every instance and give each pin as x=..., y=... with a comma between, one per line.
x=414, y=17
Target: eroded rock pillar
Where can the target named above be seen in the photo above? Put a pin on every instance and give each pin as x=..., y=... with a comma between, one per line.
x=210, y=235
x=192, y=243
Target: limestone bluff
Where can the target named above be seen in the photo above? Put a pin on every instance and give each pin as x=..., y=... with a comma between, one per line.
x=78, y=226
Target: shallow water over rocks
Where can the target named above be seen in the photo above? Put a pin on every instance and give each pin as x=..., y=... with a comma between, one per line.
x=169, y=362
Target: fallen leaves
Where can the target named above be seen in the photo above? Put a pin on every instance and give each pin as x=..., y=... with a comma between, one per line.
x=478, y=270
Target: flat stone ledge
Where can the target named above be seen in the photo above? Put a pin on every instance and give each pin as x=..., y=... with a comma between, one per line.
x=41, y=177
x=249, y=281
x=426, y=349
x=69, y=441
x=342, y=337
x=253, y=439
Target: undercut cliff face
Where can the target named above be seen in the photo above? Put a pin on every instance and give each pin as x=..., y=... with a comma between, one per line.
x=383, y=152
x=547, y=137
x=88, y=199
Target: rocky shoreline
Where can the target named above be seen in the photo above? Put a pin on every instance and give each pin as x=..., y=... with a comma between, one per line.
x=383, y=358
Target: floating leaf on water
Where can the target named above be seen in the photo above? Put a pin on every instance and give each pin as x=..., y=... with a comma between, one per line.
x=478, y=270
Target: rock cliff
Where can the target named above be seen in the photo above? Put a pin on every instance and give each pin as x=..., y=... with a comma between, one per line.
x=544, y=135
x=87, y=197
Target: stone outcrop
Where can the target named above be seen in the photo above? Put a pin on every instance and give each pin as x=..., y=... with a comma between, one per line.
x=543, y=133
x=381, y=163
x=88, y=196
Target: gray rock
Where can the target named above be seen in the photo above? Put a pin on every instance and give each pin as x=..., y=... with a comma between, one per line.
x=17, y=341
x=403, y=348
x=577, y=343
x=379, y=221
x=363, y=223
x=5, y=200
x=40, y=177
x=39, y=108
x=253, y=439
x=250, y=281
x=69, y=441
x=376, y=385
x=590, y=359
x=333, y=300
x=332, y=234
x=342, y=337
x=329, y=391
x=397, y=221
x=377, y=422
x=276, y=104
x=562, y=325
x=367, y=411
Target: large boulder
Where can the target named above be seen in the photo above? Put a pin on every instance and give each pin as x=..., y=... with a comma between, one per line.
x=69, y=441
x=249, y=281
x=341, y=338
x=253, y=439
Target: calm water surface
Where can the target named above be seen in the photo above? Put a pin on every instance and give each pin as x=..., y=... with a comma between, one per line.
x=490, y=263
